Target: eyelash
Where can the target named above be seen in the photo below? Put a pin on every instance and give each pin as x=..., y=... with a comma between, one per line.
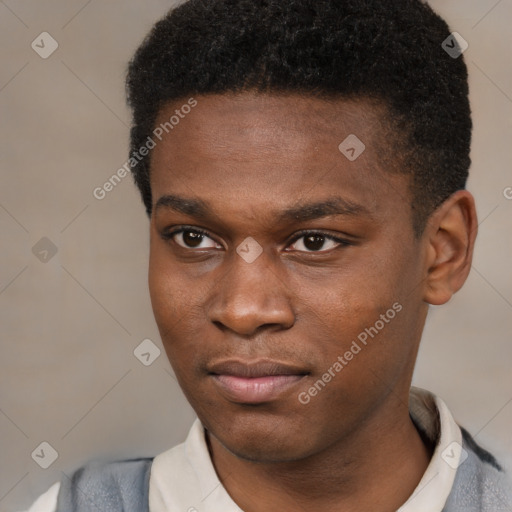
x=300, y=234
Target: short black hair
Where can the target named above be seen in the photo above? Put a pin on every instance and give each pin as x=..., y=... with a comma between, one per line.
x=389, y=51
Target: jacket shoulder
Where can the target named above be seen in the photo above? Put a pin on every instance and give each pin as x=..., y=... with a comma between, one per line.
x=481, y=484
x=123, y=485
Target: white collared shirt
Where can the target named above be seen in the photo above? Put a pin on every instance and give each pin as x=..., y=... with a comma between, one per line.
x=184, y=478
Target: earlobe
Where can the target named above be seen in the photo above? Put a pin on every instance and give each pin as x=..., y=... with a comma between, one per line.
x=451, y=233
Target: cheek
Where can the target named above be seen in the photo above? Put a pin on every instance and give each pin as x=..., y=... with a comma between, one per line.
x=169, y=295
x=171, y=291
x=350, y=297
x=161, y=286
x=179, y=310
x=361, y=314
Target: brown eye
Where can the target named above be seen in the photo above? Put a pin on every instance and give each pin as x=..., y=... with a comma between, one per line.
x=314, y=242
x=317, y=242
x=192, y=239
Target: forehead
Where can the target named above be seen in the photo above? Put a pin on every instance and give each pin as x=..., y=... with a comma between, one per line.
x=270, y=150
x=272, y=121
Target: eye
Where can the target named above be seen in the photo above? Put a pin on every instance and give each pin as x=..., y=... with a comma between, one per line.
x=304, y=241
x=315, y=241
x=191, y=239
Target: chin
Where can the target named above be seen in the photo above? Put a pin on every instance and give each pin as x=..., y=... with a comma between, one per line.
x=263, y=440
x=262, y=451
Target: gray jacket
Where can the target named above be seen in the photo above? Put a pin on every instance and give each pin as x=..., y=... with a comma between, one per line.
x=480, y=485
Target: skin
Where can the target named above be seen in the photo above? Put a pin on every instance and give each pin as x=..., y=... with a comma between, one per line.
x=250, y=157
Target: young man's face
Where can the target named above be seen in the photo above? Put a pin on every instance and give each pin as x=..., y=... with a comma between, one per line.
x=249, y=334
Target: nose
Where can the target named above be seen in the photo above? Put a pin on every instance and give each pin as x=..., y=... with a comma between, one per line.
x=252, y=296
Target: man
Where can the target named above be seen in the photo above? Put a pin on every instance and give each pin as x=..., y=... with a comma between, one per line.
x=303, y=165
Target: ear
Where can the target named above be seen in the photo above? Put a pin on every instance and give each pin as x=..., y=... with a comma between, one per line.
x=450, y=237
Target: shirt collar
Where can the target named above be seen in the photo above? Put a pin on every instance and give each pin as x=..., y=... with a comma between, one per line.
x=433, y=418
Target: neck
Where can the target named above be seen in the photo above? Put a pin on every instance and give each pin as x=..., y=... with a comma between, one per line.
x=381, y=462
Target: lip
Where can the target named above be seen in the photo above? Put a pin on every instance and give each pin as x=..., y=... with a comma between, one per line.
x=255, y=382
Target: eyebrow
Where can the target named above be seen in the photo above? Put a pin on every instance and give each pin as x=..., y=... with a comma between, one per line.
x=300, y=213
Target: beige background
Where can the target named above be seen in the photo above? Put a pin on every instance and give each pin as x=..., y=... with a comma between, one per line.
x=68, y=374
